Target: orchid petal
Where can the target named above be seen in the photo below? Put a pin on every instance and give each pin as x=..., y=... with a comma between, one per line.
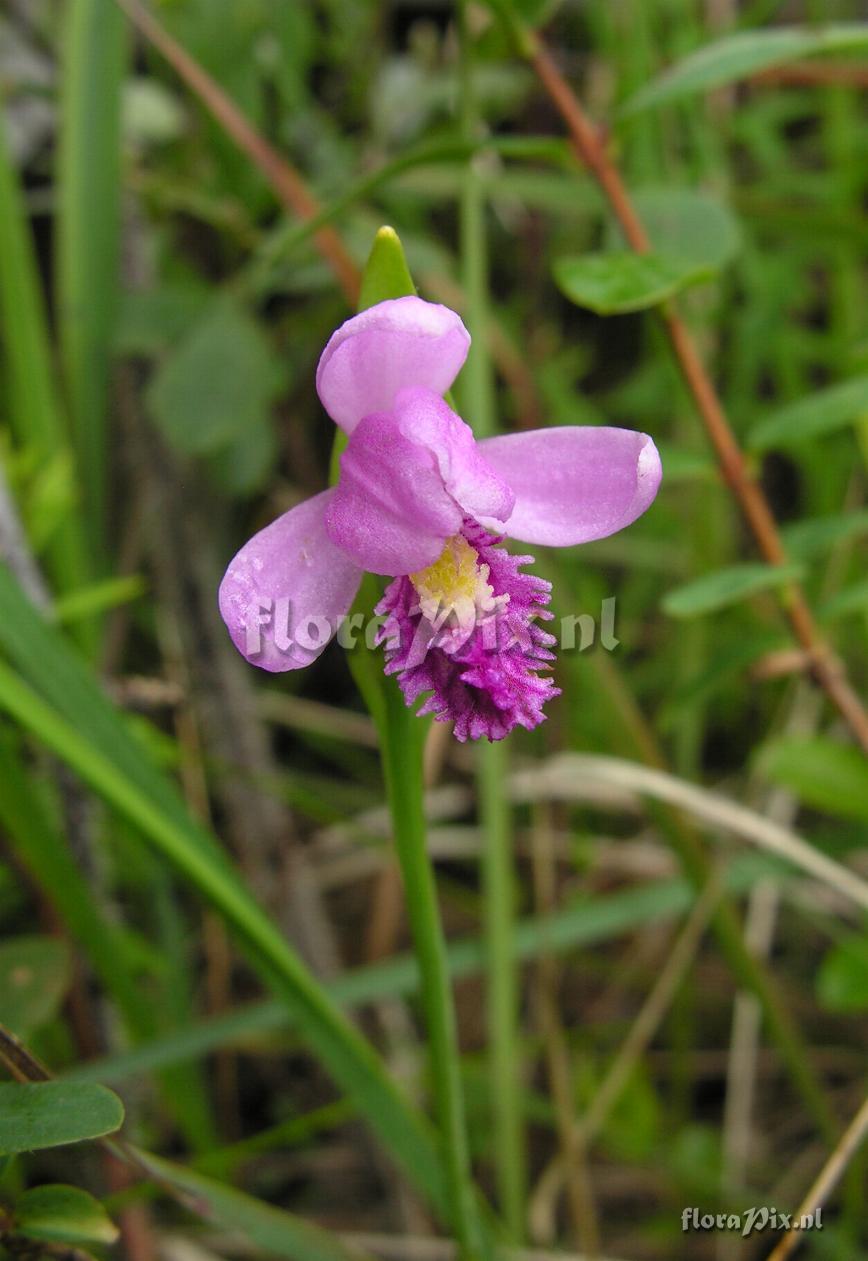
x=398, y=343
x=574, y=484
x=285, y=591
x=391, y=512
x=471, y=481
x=408, y=479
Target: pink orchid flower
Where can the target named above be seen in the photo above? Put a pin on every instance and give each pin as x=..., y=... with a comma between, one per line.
x=421, y=501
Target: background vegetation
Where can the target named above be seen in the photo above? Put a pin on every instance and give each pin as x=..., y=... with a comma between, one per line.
x=655, y=904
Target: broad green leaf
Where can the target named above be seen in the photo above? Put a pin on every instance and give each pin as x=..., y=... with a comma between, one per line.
x=807, y=539
x=216, y=384
x=149, y=320
x=274, y=1232
x=813, y=416
x=242, y=467
x=726, y=586
x=823, y=774
x=34, y=975
x=687, y=225
x=740, y=56
x=62, y=1214
x=621, y=281
x=51, y=1113
x=842, y=981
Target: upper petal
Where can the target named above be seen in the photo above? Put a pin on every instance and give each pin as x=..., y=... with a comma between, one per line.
x=289, y=582
x=477, y=488
x=408, y=478
x=391, y=511
x=398, y=343
x=574, y=484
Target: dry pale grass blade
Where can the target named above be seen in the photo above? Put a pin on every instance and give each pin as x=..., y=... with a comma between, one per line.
x=301, y=713
x=825, y=1182
x=575, y=775
x=800, y=74
x=618, y=784
x=638, y=859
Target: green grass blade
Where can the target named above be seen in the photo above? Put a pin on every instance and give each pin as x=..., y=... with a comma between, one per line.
x=498, y=873
x=39, y=847
x=742, y=55
x=88, y=233
x=588, y=923
x=60, y=677
x=33, y=408
x=275, y=1232
x=32, y=404
x=345, y=1053
x=34, y=838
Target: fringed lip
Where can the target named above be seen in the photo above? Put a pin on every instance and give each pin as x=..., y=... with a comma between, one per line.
x=495, y=678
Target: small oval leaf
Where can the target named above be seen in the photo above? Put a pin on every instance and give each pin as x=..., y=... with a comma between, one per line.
x=34, y=975
x=62, y=1214
x=49, y=1114
x=216, y=383
x=822, y=773
x=621, y=281
x=725, y=587
x=842, y=981
x=689, y=225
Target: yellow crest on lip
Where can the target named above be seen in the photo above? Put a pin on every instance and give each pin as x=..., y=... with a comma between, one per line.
x=455, y=585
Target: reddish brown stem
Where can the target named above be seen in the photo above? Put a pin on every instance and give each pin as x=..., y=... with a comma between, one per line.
x=811, y=73
x=590, y=147
x=288, y=185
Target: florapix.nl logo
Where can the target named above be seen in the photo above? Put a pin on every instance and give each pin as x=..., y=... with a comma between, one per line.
x=751, y=1220
x=276, y=620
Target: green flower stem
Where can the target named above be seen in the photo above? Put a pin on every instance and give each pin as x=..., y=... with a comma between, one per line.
x=402, y=738
x=402, y=745
x=498, y=876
